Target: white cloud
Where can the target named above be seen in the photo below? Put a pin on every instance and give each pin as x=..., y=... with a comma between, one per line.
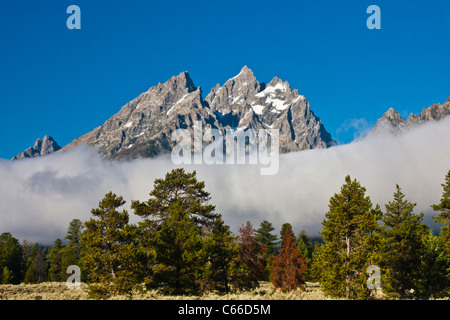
x=40, y=196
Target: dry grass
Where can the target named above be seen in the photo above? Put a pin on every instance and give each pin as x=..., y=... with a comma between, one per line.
x=59, y=291
x=42, y=291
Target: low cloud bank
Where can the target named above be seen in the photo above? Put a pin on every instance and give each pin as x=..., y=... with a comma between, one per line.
x=41, y=196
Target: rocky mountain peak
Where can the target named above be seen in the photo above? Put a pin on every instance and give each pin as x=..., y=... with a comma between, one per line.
x=181, y=83
x=392, y=114
x=143, y=127
x=392, y=122
x=41, y=147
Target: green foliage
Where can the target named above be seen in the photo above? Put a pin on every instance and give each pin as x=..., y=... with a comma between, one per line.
x=178, y=247
x=190, y=248
x=305, y=244
x=11, y=258
x=222, y=271
x=71, y=253
x=54, y=260
x=434, y=278
x=350, y=239
x=404, y=247
x=36, y=266
x=444, y=214
x=6, y=276
x=264, y=235
x=111, y=256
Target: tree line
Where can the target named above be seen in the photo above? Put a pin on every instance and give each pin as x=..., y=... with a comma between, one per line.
x=181, y=246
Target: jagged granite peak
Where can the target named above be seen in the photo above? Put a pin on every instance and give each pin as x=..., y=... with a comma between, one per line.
x=41, y=147
x=143, y=127
x=250, y=104
x=435, y=112
x=392, y=122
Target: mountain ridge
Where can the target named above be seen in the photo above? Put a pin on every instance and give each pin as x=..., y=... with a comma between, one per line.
x=393, y=122
x=143, y=126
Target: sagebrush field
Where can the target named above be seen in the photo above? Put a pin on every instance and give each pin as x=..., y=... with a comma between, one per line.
x=59, y=291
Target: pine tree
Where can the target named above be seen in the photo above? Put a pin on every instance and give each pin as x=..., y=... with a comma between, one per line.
x=251, y=256
x=74, y=233
x=350, y=242
x=404, y=233
x=288, y=267
x=264, y=235
x=177, y=186
x=6, y=276
x=111, y=256
x=11, y=257
x=444, y=214
x=71, y=253
x=222, y=271
x=305, y=244
x=36, y=270
x=176, y=233
x=434, y=281
x=178, y=268
x=54, y=259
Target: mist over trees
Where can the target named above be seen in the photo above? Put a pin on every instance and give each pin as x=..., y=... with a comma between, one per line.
x=182, y=246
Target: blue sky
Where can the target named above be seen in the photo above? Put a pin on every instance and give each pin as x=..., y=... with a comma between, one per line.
x=66, y=82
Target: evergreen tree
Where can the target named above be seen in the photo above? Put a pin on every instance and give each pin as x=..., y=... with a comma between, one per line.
x=30, y=275
x=54, y=259
x=111, y=256
x=6, y=276
x=305, y=244
x=178, y=268
x=182, y=187
x=176, y=233
x=434, y=280
x=71, y=253
x=404, y=233
x=251, y=256
x=264, y=235
x=222, y=270
x=288, y=266
x=444, y=214
x=36, y=266
x=350, y=242
x=11, y=257
x=74, y=233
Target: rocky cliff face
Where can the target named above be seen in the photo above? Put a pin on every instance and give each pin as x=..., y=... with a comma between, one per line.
x=41, y=147
x=143, y=127
x=392, y=122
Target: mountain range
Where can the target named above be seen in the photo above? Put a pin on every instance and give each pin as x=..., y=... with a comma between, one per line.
x=393, y=122
x=143, y=127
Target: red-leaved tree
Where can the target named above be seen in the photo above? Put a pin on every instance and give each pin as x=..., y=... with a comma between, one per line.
x=288, y=266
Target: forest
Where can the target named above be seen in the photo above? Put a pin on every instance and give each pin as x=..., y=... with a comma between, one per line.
x=182, y=246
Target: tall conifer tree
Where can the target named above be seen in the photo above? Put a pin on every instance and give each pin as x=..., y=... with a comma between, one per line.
x=288, y=266
x=444, y=214
x=351, y=242
x=404, y=234
x=111, y=256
